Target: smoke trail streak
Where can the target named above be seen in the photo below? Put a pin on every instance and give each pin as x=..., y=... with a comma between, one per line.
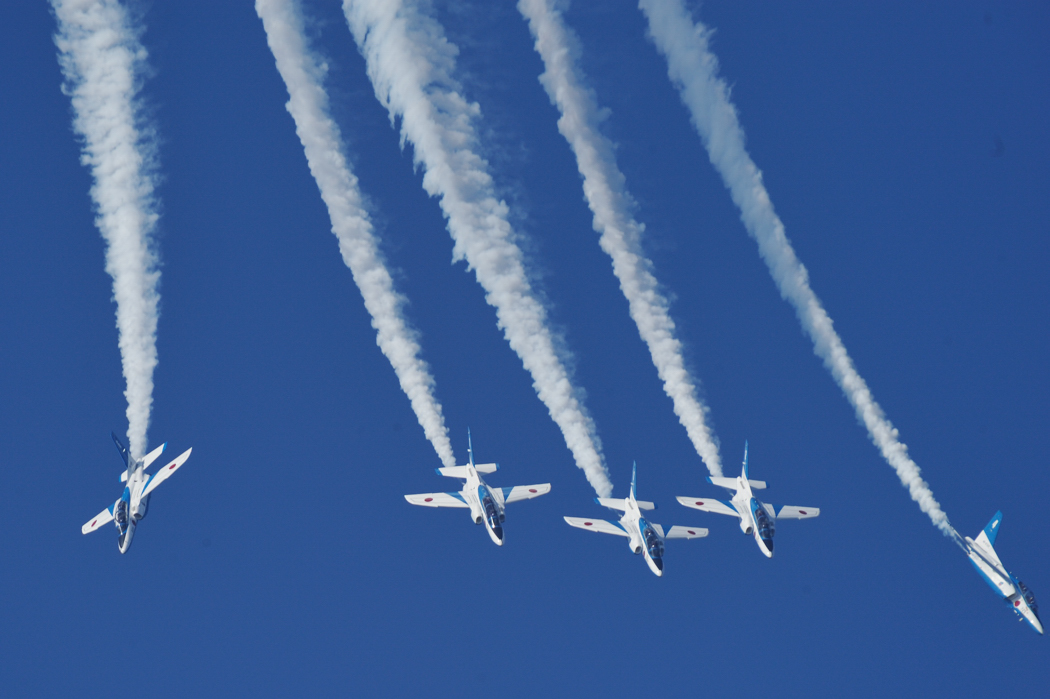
x=694, y=71
x=103, y=63
x=611, y=204
x=411, y=64
x=303, y=74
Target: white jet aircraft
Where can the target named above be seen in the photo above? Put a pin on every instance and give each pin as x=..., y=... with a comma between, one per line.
x=756, y=518
x=1013, y=591
x=487, y=504
x=645, y=537
x=133, y=503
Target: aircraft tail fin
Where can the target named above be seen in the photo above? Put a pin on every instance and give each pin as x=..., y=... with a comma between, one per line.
x=992, y=528
x=744, y=471
x=121, y=448
x=634, y=478
x=470, y=448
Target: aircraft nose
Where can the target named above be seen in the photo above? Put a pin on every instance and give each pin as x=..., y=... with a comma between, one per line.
x=768, y=547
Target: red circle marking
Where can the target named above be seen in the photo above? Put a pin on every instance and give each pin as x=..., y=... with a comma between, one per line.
x=699, y=502
x=690, y=531
x=172, y=467
x=1017, y=603
x=587, y=524
x=532, y=490
x=803, y=512
x=428, y=499
x=93, y=523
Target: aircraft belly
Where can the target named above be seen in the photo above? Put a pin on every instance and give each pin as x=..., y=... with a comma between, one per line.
x=992, y=577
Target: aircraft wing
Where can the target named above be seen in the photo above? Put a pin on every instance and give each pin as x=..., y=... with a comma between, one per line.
x=680, y=532
x=792, y=512
x=524, y=492
x=437, y=500
x=716, y=506
x=163, y=474
x=102, y=518
x=596, y=525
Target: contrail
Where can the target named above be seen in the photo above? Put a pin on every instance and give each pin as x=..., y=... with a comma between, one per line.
x=606, y=193
x=103, y=64
x=303, y=74
x=411, y=64
x=694, y=71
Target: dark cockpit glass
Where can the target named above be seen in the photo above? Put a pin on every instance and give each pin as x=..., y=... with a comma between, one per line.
x=1029, y=597
x=653, y=545
x=491, y=513
x=121, y=514
x=766, y=528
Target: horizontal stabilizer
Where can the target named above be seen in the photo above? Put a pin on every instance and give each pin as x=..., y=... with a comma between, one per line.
x=712, y=505
x=103, y=517
x=163, y=474
x=792, y=512
x=597, y=525
x=524, y=492
x=437, y=500
x=732, y=484
x=679, y=532
x=153, y=455
x=463, y=471
x=618, y=504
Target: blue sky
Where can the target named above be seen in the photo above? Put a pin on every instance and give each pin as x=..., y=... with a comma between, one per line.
x=904, y=147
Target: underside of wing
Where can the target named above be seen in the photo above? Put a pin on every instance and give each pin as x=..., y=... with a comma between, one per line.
x=792, y=512
x=165, y=473
x=716, y=506
x=680, y=532
x=437, y=500
x=102, y=518
x=524, y=492
x=596, y=525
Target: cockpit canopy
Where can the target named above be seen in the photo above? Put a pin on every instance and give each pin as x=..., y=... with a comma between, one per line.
x=1028, y=597
x=653, y=545
x=766, y=528
x=492, y=513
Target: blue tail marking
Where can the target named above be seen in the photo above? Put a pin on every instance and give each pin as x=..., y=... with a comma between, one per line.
x=992, y=529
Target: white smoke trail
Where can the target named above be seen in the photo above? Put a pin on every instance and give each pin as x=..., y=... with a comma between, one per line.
x=303, y=74
x=103, y=63
x=411, y=64
x=605, y=190
x=694, y=71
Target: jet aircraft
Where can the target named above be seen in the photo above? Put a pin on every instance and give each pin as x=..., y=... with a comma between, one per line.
x=1014, y=592
x=644, y=536
x=756, y=517
x=133, y=503
x=486, y=504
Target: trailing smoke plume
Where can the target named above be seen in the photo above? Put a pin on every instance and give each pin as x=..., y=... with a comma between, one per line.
x=303, y=74
x=103, y=62
x=605, y=190
x=411, y=64
x=694, y=71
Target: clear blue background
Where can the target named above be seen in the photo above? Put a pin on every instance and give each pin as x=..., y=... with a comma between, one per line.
x=905, y=147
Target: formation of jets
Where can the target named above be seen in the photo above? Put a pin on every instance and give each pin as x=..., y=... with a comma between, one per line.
x=487, y=506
